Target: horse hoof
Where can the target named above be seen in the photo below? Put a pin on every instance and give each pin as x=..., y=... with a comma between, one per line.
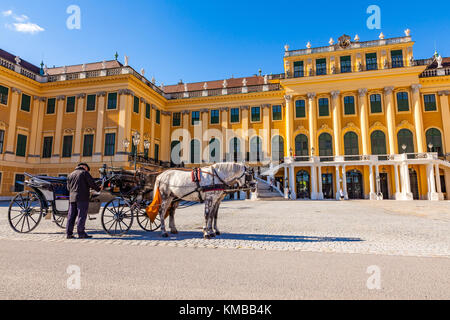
x=217, y=233
x=165, y=235
x=207, y=237
x=212, y=235
x=174, y=232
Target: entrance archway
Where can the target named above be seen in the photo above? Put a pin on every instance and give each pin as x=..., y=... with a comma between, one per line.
x=328, y=186
x=303, y=185
x=355, y=185
x=414, y=182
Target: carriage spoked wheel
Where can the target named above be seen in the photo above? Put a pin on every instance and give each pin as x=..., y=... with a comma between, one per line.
x=117, y=217
x=144, y=221
x=25, y=212
x=60, y=220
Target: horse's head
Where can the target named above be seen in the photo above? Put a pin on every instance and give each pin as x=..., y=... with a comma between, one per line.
x=247, y=179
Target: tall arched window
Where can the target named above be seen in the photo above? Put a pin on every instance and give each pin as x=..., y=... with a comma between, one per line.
x=351, y=144
x=301, y=146
x=378, y=142
x=235, y=150
x=405, y=138
x=255, y=149
x=214, y=150
x=195, y=151
x=277, y=148
x=434, y=138
x=325, y=146
x=175, y=152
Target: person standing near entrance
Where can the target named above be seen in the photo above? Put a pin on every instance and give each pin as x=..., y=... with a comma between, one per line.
x=79, y=184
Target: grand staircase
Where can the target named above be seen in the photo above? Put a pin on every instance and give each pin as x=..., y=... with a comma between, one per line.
x=264, y=192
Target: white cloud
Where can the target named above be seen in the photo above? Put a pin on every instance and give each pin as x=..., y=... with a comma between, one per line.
x=28, y=27
x=22, y=24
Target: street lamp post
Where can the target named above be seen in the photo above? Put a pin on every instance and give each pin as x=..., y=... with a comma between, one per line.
x=136, y=141
x=430, y=146
x=146, y=146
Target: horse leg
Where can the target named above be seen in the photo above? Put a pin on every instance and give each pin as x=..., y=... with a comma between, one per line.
x=172, y=227
x=216, y=211
x=208, y=212
x=162, y=213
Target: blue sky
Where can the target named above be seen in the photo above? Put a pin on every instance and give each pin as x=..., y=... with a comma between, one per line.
x=207, y=40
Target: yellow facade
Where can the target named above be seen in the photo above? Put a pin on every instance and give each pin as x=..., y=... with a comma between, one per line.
x=339, y=99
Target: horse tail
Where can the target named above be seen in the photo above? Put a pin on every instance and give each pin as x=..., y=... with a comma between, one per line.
x=153, y=209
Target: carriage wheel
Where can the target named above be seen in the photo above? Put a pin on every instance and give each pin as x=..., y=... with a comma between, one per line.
x=25, y=212
x=60, y=220
x=117, y=217
x=144, y=220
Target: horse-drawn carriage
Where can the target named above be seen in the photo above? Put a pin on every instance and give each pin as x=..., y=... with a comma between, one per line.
x=125, y=194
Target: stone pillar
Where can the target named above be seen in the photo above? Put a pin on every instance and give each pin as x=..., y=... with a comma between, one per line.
x=338, y=183
x=378, y=182
x=373, y=195
x=418, y=121
x=204, y=141
x=364, y=120
x=151, y=150
x=268, y=129
x=124, y=131
x=447, y=182
x=186, y=143
x=292, y=182
x=40, y=122
x=57, y=147
x=312, y=122
x=344, y=182
x=244, y=142
x=98, y=147
x=314, y=195
x=397, y=183
x=405, y=181
x=11, y=131
x=438, y=182
x=289, y=123
x=336, y=110
x=144, y=136
x=34, y=153
x=286, y=195
x=433, y=196
x=390, y=118
x=445, y=112
x=320, y=191
x=225, y=139
x=78, y=141
x=164, y=148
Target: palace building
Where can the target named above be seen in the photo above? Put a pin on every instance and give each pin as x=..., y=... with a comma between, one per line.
x=361, y=118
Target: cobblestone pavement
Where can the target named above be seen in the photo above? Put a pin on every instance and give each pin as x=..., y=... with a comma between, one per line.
x=418, y=228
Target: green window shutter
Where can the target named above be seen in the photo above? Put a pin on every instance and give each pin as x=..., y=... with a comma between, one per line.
x=321, y=67
x=26, y=102
x=21, y=145
x=2, y=140
x=51, y=104
x=195, y=118
x=67, y=146
x=148, y=110
x=156, y=151
x=276, y=113
x=234, y=115
x=371, y=61
x=256, y=114
x=90, y=102
x=430, y=102
x=323, y=107
x=349, y=105
x=88, y=145
x=110, y=144
x=136, y=105
x=112, y=100
x=158, y=116
x=300, y=109
x=70, y=105
x=47, y=147
x=176, y=119
x=397, y=58
x=18, y=183
x=346, y=64
x=4, y=91
x=402, y=101
x=298, y=69
x=215, y=118
x=375, y=103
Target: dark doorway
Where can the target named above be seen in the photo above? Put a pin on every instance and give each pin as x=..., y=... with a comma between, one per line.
x=327, y=186
x=384, y=185
x=303, y=189
x=355, y=185
x=414, y=183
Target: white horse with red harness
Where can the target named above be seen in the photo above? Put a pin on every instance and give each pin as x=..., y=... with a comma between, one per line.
x=207, y=185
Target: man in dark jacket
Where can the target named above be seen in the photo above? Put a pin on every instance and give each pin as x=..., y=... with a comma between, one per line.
x=79, y=184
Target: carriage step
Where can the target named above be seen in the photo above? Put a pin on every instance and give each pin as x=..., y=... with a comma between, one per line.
x=91, y=219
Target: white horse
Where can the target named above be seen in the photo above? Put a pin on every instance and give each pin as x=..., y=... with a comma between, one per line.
x=176, y=185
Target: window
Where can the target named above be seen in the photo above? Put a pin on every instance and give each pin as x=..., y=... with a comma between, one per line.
x=434, y=138
x=215, y=118
x=397, y=58
x=70, y=105
x=402, y=101
x=371, y=61
x=148, y=110
x=47, y=147
x=156, y=152
x=26, y=103
x=88, y=145
x=51, y=105
x=351, y=144
x=256, y=114
x=235, y=149
x=325, y=145
x=346, y=64
x=18, y=183
x=234, y=115
x=90, y=102
x=378, y=142
x=277, y=148
x=176, y=119
x=21, y=145
x=136, y=105
x=298, y=69
x=276, y=113
x=301, y=145
x=405, y=138
x=321, y=66
x=175, y=152
x=375, y=103
x=323, y=107
x=349, y=105
x=214, y=150
x=195, y=118
x=67, y=146
x=2, y=140
x=430, y=102
x=300, y=109
x=112, y=101
x=158, y=116
x=110, y=144
x=195, y=151
x=4, y=91
x=256, y=149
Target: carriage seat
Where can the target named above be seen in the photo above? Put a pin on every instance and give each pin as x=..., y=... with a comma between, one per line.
x=59, y=186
